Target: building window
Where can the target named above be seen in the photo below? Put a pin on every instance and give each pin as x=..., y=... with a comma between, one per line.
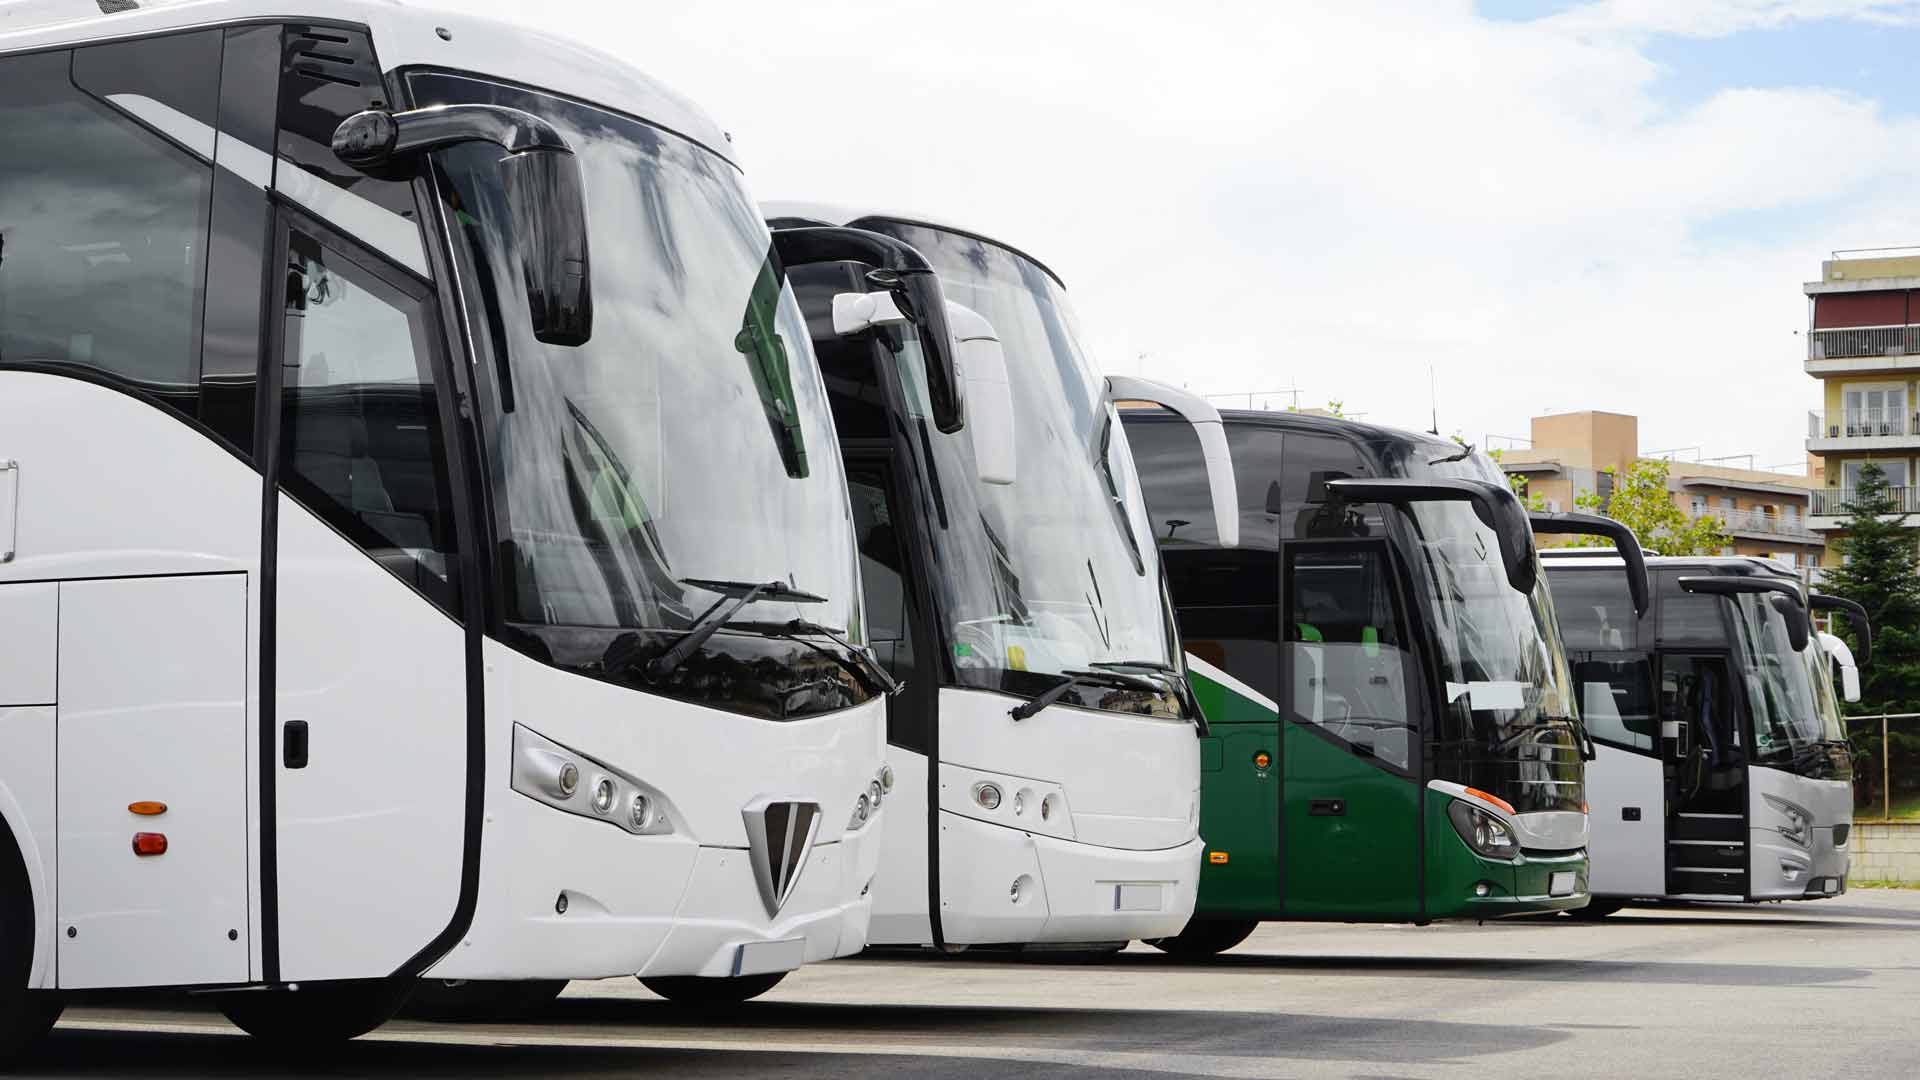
x=1699, y=506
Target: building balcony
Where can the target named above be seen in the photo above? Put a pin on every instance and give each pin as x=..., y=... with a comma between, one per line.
x=1761, y=525
x=1862, y=430
x=1859, y=349
x=1830, y=505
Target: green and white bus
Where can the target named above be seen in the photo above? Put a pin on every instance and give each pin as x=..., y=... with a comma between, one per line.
x=1394, y=734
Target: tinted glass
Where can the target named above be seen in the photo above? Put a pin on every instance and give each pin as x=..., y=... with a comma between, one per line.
x=1688, y=618
x=1616, y=700
x=1787, y=720
x=360, y=425
x=1595, y=608
x=1173, y=475
x=1306, y=511
x=1346, y=651
x=103, y=219
x=883, y=571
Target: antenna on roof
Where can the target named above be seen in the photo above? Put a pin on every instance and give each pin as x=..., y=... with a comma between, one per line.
x=1433, y=395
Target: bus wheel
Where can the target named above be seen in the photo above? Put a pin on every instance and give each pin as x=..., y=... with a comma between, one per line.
x=456, y=1000
x=694, y=990
x=317, y=1014
x=25, y=1015
x=1597, y=909
x=1205, y=937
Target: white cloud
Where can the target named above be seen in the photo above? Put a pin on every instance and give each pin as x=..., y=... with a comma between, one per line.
x=1256, y=196
x=1716, y=18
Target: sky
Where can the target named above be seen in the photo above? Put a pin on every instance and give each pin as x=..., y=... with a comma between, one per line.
x=1487, y=211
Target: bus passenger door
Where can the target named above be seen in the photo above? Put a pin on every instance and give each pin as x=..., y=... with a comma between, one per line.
x=900, y=640
x=363, y=848
x=1350, y=808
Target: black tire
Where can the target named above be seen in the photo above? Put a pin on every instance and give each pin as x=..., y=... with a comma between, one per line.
x=316, y=1015
x=480, y=1000
x=696, y=992
x=1596, y=910
x=1205, y=937
x=25, y=1015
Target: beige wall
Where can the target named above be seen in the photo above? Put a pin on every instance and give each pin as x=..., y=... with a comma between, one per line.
x=1588, y=440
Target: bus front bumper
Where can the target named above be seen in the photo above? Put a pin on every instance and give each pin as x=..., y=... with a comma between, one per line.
x=1527, y=886
x=1005, y=886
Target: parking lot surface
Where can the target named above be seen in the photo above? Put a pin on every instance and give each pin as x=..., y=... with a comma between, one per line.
x=1816, y=989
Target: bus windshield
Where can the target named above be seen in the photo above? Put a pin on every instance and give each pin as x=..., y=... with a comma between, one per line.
x=1788, y=725
x=1057, y=571
x=1507, y=712
x=681, y=457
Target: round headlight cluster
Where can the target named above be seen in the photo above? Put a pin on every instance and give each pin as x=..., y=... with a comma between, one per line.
x=987, y=794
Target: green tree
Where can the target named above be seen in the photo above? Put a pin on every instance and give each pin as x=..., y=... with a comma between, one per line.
x=1642, y=502
x=1880, y=571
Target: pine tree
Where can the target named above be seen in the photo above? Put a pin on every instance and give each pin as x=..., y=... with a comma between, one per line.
x=1881, y=573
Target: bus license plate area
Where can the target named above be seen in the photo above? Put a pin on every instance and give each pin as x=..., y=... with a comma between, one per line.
x=1136, y=897
x=767, y=957
x=1561, y=883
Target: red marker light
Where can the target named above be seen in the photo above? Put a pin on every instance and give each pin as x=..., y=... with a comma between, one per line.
x=149, y=843
x=1262, y=759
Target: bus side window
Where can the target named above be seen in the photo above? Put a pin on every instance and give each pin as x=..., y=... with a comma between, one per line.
x=104, y=193
x=360, y=432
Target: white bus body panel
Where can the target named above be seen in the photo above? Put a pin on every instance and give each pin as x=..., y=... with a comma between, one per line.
x=153, y=707
x=370, y=831
x=1628, y=858
x=1117, y=858
x=1780, y=868
x=696, y=901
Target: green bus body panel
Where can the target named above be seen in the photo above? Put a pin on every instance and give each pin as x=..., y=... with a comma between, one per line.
x=1363, y=865
x=1240, y=820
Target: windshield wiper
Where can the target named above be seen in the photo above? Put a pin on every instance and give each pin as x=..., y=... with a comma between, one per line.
x=1182, y=686
x=734, y=595
x=1071, y=679
x=862, y=664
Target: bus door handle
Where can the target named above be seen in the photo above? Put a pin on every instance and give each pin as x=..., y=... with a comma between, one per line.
x=293, y=745
x=1327, y=808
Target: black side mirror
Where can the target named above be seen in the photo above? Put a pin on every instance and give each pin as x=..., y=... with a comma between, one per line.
x=1857, y=615
x=1622, y=537
x=1785, y=599
x=546, y=193
x=915, y=290
x=1493, y=504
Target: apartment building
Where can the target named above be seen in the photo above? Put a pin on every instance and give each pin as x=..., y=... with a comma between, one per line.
x=1863, y=344
x=1569, y=454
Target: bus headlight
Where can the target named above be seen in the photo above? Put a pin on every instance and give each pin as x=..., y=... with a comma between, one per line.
x=1799, y=826
x=1487, y=835
x=572, y=782
x=867, y=806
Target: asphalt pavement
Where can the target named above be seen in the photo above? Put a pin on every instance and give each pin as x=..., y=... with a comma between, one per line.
x=1826, y=988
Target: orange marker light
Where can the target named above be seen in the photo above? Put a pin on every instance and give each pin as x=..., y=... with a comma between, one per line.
x=147, y=808
x=1262, y=759
x=1494, y=799
x=149, y=843
x=1218, y=858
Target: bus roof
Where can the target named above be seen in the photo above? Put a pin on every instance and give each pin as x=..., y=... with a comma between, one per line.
x=404, y=35
x=789, y=213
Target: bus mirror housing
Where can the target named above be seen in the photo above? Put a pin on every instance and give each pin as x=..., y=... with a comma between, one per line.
x=1841, y=659
x=1622, y=537
x=1206, y=422
x=1856, y=615
x=1496, y=507
x=546, y=194
x=913, y=293
x=989, y=394
x=1785, y=598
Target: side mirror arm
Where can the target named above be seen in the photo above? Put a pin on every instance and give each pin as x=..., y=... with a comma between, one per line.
x=1785, y=595
x=1855, y=614
x=1622, y=537
x=1494, y=505
x=1213, y=444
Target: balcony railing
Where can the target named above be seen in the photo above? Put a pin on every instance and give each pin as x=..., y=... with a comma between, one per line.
x=1862, y=423
x=1760, y=521
x=1858, y=341
x=1831, y=502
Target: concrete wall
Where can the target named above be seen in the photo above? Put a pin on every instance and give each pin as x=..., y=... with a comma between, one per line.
x=1885, y=852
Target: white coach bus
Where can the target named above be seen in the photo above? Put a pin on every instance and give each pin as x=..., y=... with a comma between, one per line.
x=1046, y=740
x=390, y=586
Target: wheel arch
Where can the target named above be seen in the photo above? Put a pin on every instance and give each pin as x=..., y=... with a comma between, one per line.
x=22, y=864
